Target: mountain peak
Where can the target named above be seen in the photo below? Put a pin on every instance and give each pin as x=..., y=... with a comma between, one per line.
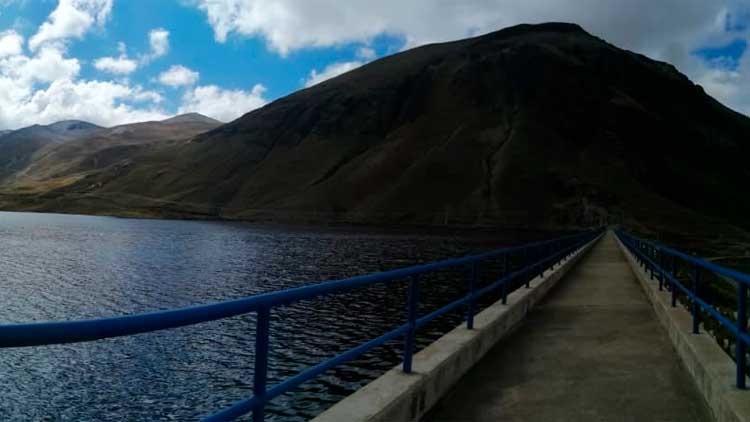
x=529, y=28
x=191, y=118
x=73, y=125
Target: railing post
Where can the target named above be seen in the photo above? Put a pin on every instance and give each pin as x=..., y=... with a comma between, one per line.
x=261, y=361
x=672, y=268
x=665, y=271
x=542, y=262
x=674, y=281
x=652, y=257
x=695, y=308
x=472, y=299
x=661, y=270
x=639, y=246
x=553, y=248
x=741, y=348
x=642, y=246
x=525, y=263
x=505, y=274
x=412, y=308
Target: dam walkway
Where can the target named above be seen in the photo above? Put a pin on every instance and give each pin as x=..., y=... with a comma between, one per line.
x=592, y=350
x=592, y=326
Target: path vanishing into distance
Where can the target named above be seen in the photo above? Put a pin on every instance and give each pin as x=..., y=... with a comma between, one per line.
x=593, y=350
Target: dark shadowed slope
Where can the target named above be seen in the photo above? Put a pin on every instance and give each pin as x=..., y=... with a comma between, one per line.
x=530, y=125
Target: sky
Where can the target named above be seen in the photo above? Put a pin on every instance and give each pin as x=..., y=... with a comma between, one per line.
x=113, y=62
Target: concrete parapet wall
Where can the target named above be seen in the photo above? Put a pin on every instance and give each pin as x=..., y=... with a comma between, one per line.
x=400, y=397
x=710, y=367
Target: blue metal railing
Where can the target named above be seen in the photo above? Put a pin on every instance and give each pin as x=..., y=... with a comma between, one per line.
x=663, y=263
x=532, y=260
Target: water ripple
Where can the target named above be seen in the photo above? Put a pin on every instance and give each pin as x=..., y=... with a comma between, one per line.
x=68, y=267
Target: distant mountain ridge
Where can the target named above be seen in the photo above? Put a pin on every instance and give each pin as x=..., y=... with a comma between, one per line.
x=56, y=132
x=17, y=147
x=192, y=118
x=42, y=157
x=76, y=128
x=532, y=125
x=81, y=127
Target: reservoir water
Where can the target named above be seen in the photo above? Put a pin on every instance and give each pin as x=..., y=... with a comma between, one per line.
x=55, y=267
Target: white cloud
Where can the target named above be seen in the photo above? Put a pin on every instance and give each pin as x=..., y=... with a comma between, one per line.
x=140, y=95
x=47, y=66
x=178, y=75
x=158, y=40
x=100, y=102
x=331, y=71
x=11, y=43
x=122, y=65
x=116, y=65
x=45, y=88
x=104, y=103
x=366, y=53
x=71, y=19
x=221, y=104
x=635, y=24
x=655, y=28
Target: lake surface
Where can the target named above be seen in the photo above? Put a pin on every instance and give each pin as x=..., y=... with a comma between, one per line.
x=55, y=267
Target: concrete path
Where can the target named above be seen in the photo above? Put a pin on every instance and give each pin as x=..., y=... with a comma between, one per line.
x=592, y=351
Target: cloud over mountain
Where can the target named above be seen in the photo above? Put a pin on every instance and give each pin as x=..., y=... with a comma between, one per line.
x=286, y=44
x=222, y=104
x=668, y=29
x=331, y=71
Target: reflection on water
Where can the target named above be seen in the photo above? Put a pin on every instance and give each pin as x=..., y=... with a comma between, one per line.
x=65, y=267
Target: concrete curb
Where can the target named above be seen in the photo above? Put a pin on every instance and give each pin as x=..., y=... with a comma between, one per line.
x=710, y=367
x=400, y=397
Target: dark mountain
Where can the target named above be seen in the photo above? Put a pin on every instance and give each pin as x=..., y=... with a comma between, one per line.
x=531, y=125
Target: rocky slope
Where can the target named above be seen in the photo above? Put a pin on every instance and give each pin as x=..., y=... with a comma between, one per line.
x=531, y=125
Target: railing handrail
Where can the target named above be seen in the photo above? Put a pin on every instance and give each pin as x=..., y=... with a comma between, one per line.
x=708, y=265
x=647, y=251
x=544, y=254
x=74, y=331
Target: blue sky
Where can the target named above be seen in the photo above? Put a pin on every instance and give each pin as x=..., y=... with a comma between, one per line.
x=238, y=63
x=727, y=55
x=96, y=59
